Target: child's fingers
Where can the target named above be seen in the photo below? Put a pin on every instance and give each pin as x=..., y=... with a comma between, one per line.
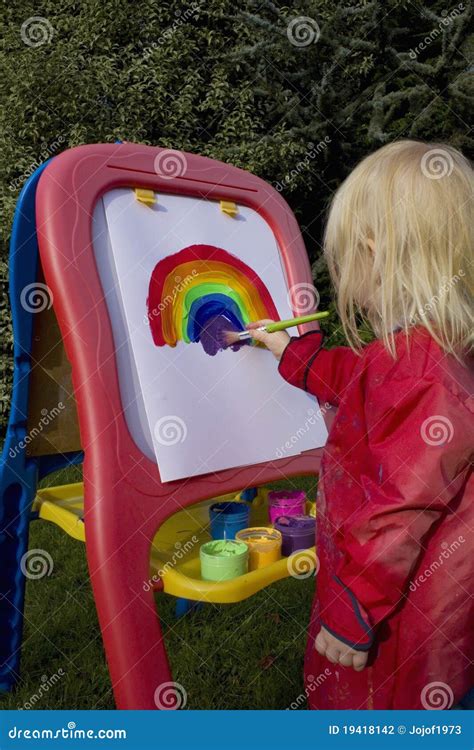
x=320, y=644
x=359, y=661
x=259, y=335
x=258, y=323
x=332, y=654
x=346, y=659
x=275, y=342
x=333, y=651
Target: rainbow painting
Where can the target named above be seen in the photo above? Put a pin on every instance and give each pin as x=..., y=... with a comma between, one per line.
x=201, y=291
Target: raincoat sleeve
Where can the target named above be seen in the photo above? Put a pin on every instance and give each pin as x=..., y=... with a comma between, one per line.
x=323, y=373
x=420, y=442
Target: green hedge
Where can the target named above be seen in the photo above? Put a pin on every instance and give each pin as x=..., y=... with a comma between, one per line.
x=235, y=81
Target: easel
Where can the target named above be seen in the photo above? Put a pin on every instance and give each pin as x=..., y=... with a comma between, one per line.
x=125, y=502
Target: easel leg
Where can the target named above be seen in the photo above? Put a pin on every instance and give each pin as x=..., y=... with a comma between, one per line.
x=119, y=570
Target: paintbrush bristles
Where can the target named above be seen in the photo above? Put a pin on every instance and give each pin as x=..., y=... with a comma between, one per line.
x=234, y=337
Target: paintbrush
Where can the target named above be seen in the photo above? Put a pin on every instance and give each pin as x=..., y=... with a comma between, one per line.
x=235, y=337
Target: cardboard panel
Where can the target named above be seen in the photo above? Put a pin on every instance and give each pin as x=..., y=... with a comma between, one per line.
x=52, y=416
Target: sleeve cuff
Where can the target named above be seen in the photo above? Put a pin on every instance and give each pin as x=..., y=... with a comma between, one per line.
x=343, y=616
x=298, y=356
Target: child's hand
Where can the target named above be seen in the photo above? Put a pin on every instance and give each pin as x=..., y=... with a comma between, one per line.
x=275, y=342
x=338, y=652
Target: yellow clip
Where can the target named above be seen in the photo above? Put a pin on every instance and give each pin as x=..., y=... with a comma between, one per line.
x=145, y=196
x=229, y=208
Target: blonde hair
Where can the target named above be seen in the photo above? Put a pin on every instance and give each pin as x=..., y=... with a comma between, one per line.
x=398, y=244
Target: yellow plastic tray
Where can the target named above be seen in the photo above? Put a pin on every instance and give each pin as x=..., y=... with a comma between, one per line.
x=175, y=549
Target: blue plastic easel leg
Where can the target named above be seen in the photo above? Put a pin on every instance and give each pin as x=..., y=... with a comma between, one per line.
x=186, y=606
x=19, y=473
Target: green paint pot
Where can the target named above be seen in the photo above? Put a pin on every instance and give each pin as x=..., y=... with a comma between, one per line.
x=223, y=559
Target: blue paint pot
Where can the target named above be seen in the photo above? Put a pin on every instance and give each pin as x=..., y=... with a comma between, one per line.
x=228, y=518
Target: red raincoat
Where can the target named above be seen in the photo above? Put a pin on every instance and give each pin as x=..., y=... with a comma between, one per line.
x=395, y=514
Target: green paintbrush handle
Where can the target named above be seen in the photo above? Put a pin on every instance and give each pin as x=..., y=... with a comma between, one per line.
x=281, y=325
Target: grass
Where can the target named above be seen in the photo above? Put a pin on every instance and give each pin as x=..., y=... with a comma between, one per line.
x=240, y=656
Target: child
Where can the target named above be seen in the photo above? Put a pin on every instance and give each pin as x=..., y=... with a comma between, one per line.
x=391, y=626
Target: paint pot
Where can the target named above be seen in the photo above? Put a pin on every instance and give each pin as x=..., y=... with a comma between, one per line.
x=297, y=533
x=228, y=518
x=223, y=559
x=282, y=503
x=264, y=545
x=310, y=508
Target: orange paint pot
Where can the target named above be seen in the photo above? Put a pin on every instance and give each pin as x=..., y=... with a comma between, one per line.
x=264, y=545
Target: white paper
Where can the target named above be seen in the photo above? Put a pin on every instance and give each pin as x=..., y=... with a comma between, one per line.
x=206, y=414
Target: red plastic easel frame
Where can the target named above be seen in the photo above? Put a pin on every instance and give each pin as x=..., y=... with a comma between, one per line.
x=125, y=501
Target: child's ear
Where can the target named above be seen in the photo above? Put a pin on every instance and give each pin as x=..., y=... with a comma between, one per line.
x=371, y=245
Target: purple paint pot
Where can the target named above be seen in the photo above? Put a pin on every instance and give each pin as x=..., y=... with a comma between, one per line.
x=297, y=533
x=281, y=503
